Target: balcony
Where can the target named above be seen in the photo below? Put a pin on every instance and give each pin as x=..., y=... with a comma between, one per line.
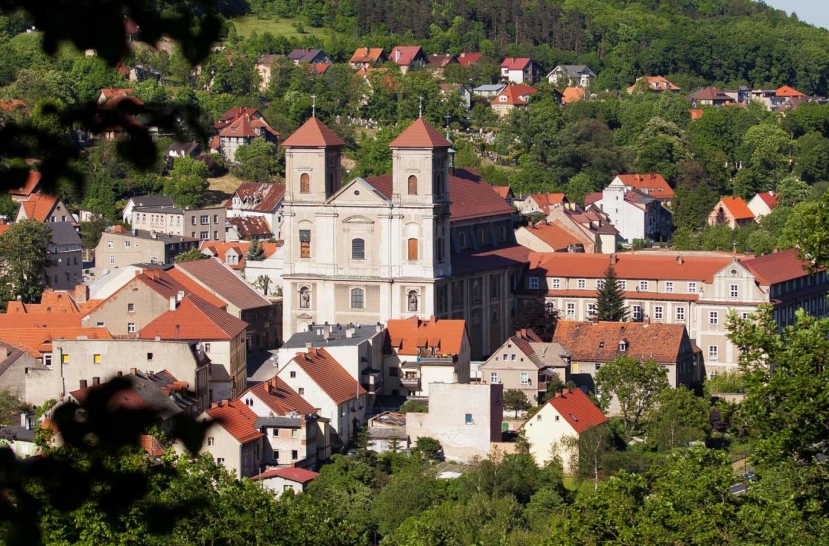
x=410, y=382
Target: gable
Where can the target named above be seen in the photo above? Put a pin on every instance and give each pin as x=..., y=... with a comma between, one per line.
x=358, y=192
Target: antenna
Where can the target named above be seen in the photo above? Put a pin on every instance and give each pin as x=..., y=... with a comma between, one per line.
x=313, y=106
x=420, y=107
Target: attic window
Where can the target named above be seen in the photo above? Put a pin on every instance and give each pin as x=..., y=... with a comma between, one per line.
x=601, y=345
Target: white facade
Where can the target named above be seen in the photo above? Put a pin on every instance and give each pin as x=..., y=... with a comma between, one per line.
x=759, y=207
x=629, y=219
x=271, y=267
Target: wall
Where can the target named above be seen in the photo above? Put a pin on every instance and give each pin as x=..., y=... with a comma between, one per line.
x=148, y=305
x=509, y=371
x=547, y=432
x=67, y=269
x=112, y=252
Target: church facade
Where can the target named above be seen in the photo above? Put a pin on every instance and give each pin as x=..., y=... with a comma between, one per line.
x=426, y=240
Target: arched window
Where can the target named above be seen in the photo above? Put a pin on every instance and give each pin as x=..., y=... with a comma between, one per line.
x=304, y=298
x=358, y=249
x=494, y=317
x=503, y=233
x=480, y=236
x=412, y=247
x=462, y=239
x=304, y=183
x=412, y=185
x=357, y=298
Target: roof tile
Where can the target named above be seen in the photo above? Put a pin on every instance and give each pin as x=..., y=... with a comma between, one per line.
x=599, y=342
x=420, y=135
x=329, y=375
x=313, y=134
x=291, y=473
x=777, y=267
x=225, y=284
x=577, y=410
x=407, y=336
x=236, y=418
x=194, y=319
x=280, y=397
x=737, y=207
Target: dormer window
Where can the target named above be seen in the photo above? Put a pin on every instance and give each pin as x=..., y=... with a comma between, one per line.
x=623, y=345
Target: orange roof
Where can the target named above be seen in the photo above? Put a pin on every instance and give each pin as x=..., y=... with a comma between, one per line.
x=7, y=105
x=39, y=206
x=280, y=397
x=420, y=135
x=236, y=418
x=517, y=94
x=504, y=191
x=467, y=58
x=193, y=319
x=219, y=251
x=696, y=113
x=572, y=94
x=636, y=266
x=408, y=336
x=367, y=55
x=516, y=63
x=239, y=128
x=547, y=201
x=554, y=234
x=170, y=282
x=32, y=182
x=599, y=342
x=577, y=410
x=329, y=375
x=4, y=228
x=654, y=83
x=38, y=340
x=318, y=68
x=769, y=199
x=50, y=302
x=737, y=207
x=235, y=113
x=654, y=185
x=290, y=473
x=777, y=267
x=787, y=91
x=110, y=92
x=313, y=134
x=404, y=55
x=151, y=446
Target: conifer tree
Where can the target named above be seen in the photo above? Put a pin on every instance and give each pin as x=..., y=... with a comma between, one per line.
x=255, y=253
x=610, y=299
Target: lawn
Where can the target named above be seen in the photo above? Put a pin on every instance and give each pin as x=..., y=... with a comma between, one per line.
x=220, y=190
x=278, y=27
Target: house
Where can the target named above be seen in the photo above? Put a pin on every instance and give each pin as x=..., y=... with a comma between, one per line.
x=280, y=480
x=419, y=353
x=635, y=214
x=387, y=432
x=233, y=440
x=465, y=418
x=547, y=236
x=572, y=94
x=462, y=90
x=241, y=132
x=557, y=426
x=65, y=269
x=512, y=96
x=44, y=208
x=265, y=68
x=22, y=439
x=366, y=57
x=762, y=204
x=731, y=211
x=15, y=364
x=249, y=229
x=183, y=149
x=593, y=228
x=232, y=115
x=233, y=255
x=310, y=55
x=436, y=64
x=593, y=343
x=109, y=93
x=657, y=84
x=325, y=384
x=521, y=70
x=543, y=203
x=505, y=193
x=571, y=75
x=121, y=248
x=258, y=200
x=709, y=96
x=145, y=201
x=141, y=72
x=132, y=30
x=651, y=184
x=203, y=224
x=124, y=103
x=408, y=57
x=489, y=91
x=30, y=187
x=526, y=363
x=468, y=58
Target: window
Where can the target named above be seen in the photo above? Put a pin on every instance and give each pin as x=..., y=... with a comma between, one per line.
x=533, y=283
x=130, y=308
x=669, y=287
x=513, y=357
x=301, y=391
x=220, y=460
x=439, y=250
x=294, y=433
x=204, y=235
x=287, y=487
x=357, y=298
x=305, y=243
x=412, y=249
x=462, y=239
x=204, y=219
x=591, y=309
x=476, y=292
x=248, y=402
x=294, y=454
x=480, y=236
x=468, y=419
x=215, y=218
x=99, y=325
x=581, y=284
x=358, y=249
x=130, y=327
x=713, y=353
x=744, y=315
x=713, y=318
x=505, y=357
x=692, y=288
x=109, y=244
x=680, y=314
x=636, y=314
x=304, y=183
x=150, y=357
x=47, y=360
x=126, y=244
x=96, y=359
x=293, y=375
x=623, y=285
x=556, y=284
x=210, y=440
x=657, y=312
x=215, y=235
x=412, y=185
x=525, y=378
x=275, y=434
x=623, y=346
x=599, y=284
x=192, y=220
x=112, y=259
x=643, y=286
x=503, y=232
x=571, y=310
x=494, y=287
x=206, y=347
x=734, y=291
x=493, y=376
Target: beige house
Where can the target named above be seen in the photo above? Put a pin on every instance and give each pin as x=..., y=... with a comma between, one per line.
x=731, y=211
x=122, y=248
x=280, y=480
x=202, y=224
x=541, y=203
x=525, y=363
x=546, y=236
x=553, y=431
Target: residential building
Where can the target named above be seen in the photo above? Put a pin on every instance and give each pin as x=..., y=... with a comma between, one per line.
x=436, y=64
x=109, y=93
x=233, y=441
x=464, y=94
x=652, y=184
x=710, y=96
x=526, y=363
x=44, y=208
x=656, y=84
x=505, y=193
x=325, y=384
x=141, y=72
x=366, y=57
x=572, y=94
x=121, y=248
x=420, y=353
x=310, y=55
x=408, y=57
x=514, y=95
x=14, y=365
x=762, y=204
x=553, y=432
x=21, y=440
x=247, y=229
x=234, y=114
x=29, y=187
x=592, y=228
x=118, y=132
x=468, y=58
x=571, y=75
x=489, y=90
x=201, y=224
x=396, y=245
x=594, y=343
x=233, y=255
x=633, y=213
x=519, y=70
x=280, y=480
x=546, y=236
x=65, y=268
x=387, y=432
x=182, y=149
x=258, y=200
x=731, y=211
x=465, y=419
x=241, y=132
x=541, y=203
x=155, y=201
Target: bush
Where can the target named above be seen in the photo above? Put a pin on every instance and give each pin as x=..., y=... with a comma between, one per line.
x=727, y=382
x=413, y=406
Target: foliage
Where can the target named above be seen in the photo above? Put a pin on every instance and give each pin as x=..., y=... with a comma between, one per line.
x=430, y=448
x=726, y=382
x=635, y=385
x=10, y=408
x=678, y=418
x=610, y=298
x=263, y=283
x=255, y=253
x=256, y=161
x=536, y=316
x=414, y=406
x=190, y=255
x=24, y=259
x=515, y=400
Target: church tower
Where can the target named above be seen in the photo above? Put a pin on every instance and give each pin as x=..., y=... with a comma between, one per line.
x=312, y=163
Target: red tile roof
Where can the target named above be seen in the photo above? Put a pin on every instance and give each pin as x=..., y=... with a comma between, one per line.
x=787, y=91
x=652, y=184
x=313, y=134
x=599, y=342
x=223, y=283
x=592, y=197
x=280, y=397
x=219, y=251
x=572, y=94
x=251, y=226
x=329, y=375
x=233, y=114
x=409, y=336
x=441, y=61
x=259, y=196
x=40, y=206
x=4, y=228
x=468, y=58
x=577, y=410
x=696, y=113
x=51, y=302
x=473, y=261
x=239, y=128
x=654, y=83
x=420, y=135
x=151, y=446
x=516, y=63
x=192, y=287
x=737, y=207
x=548, y=201
x=554, y=234
x=194, y=319
x=777, y=267
x=170, y=282
x=404, y=55
x=236, y=418
x=32, y=182
x=769, y=199
x=12, y=104
x=517, y=94
x=503, y=191
x=367, y=55
x=318, y=68
x=636, y=266
x=291, y=473
x=710, y=93
x=36, y=340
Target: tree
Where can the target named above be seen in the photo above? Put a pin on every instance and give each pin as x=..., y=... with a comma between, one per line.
x=516, y=400
x=635, y=385
x=10, y=408
x=791, y=191
x=263, y=283
x=678, y=418
x=255, y=161
x=535, y=315
x=587, y=451
x=24, y=259
x=8, y=207
x=190, y=255
x=578, y=187
x=255, y=253
x=808, y=229
x=610, y=299
x=429, y=448
x=187, y=190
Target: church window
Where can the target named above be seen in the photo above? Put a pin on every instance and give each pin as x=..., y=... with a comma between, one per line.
x=412, y=247
x=305, y=243
x=357, y=298
x=358, y=249
x=462, y=239
x=304, y=183
x=439, y=249
x=480, y=236
x=412, y=185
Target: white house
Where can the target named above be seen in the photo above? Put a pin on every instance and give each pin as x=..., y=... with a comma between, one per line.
x=519, y=70
x=258, y=199
x=571, y=75
x=762, y=204
x=281, y=480
x=145, y=201
x=633, y=213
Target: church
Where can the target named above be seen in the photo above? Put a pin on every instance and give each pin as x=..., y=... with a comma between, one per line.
x=426, y=240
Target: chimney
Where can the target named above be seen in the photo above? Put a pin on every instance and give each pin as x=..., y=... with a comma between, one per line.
x=326, y=332
x=96, y=381
x=224, y=402
x=119, y=373
x=214, y=405
x=595, y=319
x=150, y=373
x=775, y=251
x=83, y=383
x=172, y=303
x=379, y=327
x=679, y=260
x=312, y=351
x=180, y=295
x=133, y=371
x=138, y=272
x=81, y=293
x=349, y=333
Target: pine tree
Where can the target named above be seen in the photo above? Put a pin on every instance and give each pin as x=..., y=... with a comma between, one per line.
x=610, y=299
x=255, y=253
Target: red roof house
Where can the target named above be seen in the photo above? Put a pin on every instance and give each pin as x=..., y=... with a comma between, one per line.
x=732, y=211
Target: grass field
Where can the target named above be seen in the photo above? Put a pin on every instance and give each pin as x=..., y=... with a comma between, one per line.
x=278, y=27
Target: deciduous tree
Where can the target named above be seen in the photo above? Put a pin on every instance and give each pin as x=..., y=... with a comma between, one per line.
x=515, y=400
x=24, y=259
x=635, y=385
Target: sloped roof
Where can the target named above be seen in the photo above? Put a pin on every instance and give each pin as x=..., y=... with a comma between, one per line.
x=7, y=105
x=152, y=201
x=233, y=114
x=516, y=94
x=404, y=55
x=599, y=342
x=572, y=94
x=710, y=93
x=577, y=410
x=36, y=340
x=194, y=319
x=553, y=234
x=420, y=135
x=31, y=184
x=548, y=201
x=543, y=355
x=151, y=446
x=769, y=199
x=223, y=282
x=251, y=226
x=441, y=60
x=110, y=92
x=239, y=128
x=313, y=134
x=654, y=83
x=504, y=192
x=576, y=70
x=638, y=266
x=737, y=207
x=167, y=284
x=307, y=54
x=407, y=336
x=652, y=184
x=367, y=55
x=777, y=267
x=280, y=397
x=12, y=353
x=51, y=302
x=290, y=473
x=696, y=113
x=516, y=63
x=476, y=261
x=258, y=196
x=236, y=418
x=64, y=234
x=787, y=91
x=329, y=375
x=40, y=206
x=467, y=58
x=219, y=251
